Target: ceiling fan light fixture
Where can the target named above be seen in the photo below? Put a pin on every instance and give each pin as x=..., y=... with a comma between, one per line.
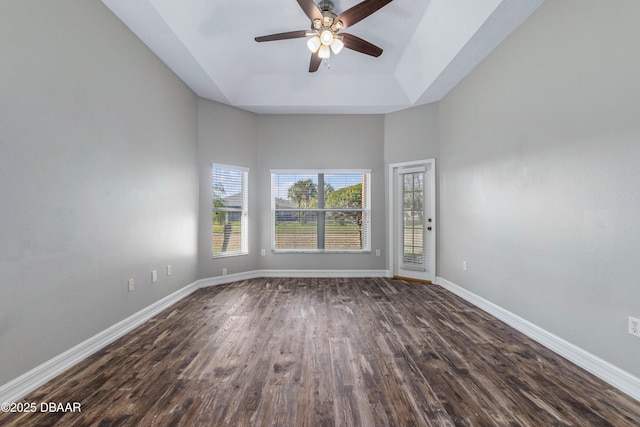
x=336, y=46
x=324, y=52
x=314, y=44
x=326, y=37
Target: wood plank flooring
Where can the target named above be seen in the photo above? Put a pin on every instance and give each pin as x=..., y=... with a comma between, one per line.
x=325, y=352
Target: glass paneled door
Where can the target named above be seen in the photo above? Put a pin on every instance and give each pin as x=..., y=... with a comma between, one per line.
x=412, y=219
x=414, y=222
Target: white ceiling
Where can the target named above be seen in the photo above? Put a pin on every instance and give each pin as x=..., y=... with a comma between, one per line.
x=429, y=46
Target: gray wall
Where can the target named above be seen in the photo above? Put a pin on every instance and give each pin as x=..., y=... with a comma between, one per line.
x=230, y=136
x=98, y=177
x=317, y=142
x=410, y=135
x=105, y=170
x=539, y=176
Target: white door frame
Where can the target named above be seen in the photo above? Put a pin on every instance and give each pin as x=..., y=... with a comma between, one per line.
x=392, y=244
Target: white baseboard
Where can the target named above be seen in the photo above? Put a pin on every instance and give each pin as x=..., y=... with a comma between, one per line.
x=324, y=273
x=236, y=277
x=229, y=278
x=38, y=376
x=602, y=369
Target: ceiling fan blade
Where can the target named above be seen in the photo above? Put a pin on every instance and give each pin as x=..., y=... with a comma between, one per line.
x=310, y=9
x=356, y=43
x=282, y=36
x=315, y=62
x=360, y=11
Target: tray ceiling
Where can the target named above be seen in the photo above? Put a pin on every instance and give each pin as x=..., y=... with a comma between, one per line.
x=429, y=47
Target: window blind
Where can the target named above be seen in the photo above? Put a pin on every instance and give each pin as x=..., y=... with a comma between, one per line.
x=413, y=218
x=229, y=187
x=321, y=211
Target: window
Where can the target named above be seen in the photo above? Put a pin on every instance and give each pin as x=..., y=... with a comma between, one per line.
x=229, y=219
x=320, y=211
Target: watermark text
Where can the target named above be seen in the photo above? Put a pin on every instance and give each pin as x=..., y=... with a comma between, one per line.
x=41, y=407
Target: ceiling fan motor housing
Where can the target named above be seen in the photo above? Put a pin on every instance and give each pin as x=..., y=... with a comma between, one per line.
x=325, y=6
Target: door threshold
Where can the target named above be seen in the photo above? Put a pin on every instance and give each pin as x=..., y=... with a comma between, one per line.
x=411, y=279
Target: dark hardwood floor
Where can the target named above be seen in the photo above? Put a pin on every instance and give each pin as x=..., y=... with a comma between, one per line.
x=324, y=352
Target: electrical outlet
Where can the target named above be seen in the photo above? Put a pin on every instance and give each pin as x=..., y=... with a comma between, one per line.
x=263, y=252
x=464, y=265
x=224, y=271
x=154, y=276
x=377, y=252
x=168, y=270
x=634, y=326
x=131, y=285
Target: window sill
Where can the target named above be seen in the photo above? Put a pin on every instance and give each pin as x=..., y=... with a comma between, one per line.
x=214, y=256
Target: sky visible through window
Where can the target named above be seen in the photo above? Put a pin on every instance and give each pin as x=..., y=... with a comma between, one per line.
x=227, y=180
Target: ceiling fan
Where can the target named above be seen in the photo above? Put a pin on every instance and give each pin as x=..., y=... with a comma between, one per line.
x=325, y=26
